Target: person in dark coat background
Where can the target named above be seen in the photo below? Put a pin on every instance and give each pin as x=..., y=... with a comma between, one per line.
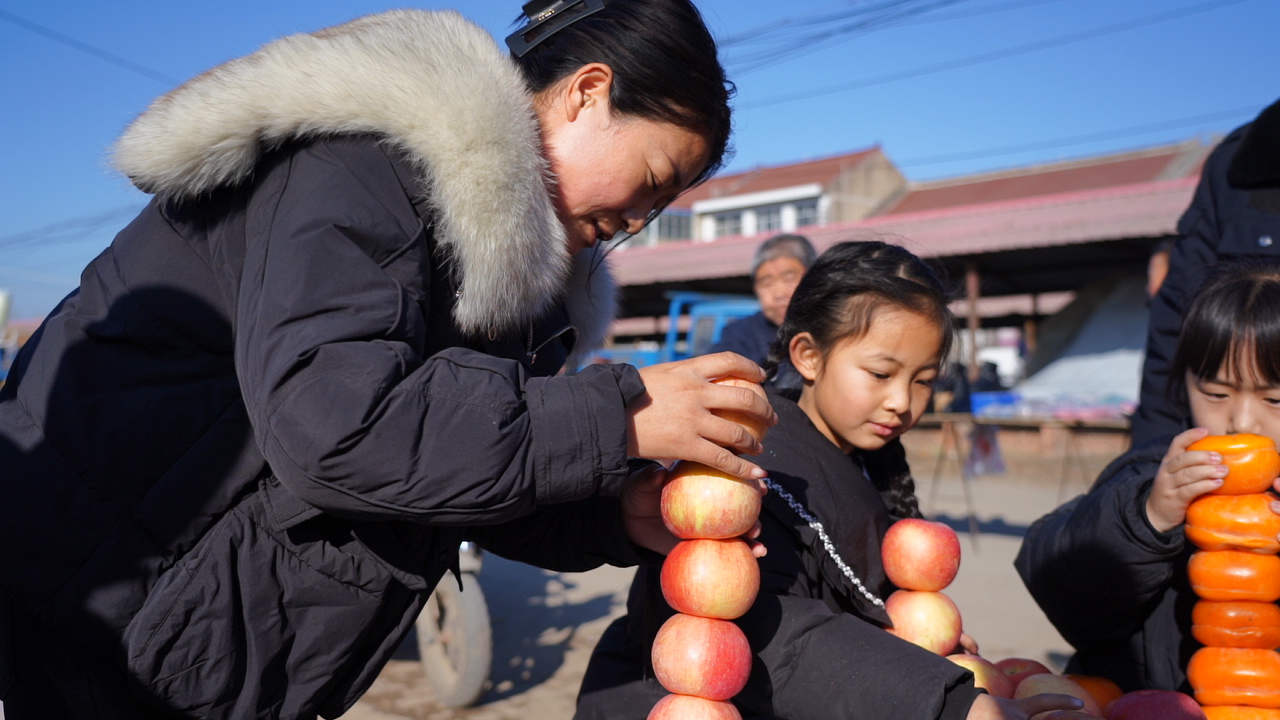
x=240, y=456
x=1235, y=212
x=867, y=330
x=778, y=265
x=1109, y=568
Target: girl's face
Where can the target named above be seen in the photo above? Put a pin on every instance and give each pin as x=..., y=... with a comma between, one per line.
x=869, y=390
x=610, y=171
x=1236, y=400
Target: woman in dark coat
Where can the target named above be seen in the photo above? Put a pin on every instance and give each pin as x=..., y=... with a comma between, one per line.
x=240, y=456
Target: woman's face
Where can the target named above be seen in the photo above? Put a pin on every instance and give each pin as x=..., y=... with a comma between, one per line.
x=610, y=171
x=1236, y=401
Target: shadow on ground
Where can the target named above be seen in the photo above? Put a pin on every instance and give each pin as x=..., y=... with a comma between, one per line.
x=994, y=526
x=532, y=625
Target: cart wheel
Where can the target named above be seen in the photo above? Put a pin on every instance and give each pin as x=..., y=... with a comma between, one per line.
x=455, y=641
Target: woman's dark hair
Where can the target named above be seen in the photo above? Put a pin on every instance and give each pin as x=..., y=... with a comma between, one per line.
x=1236, y=311
x=838, y=298
x=664, y=66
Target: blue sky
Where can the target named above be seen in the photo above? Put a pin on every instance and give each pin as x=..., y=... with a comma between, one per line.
x=948, y=87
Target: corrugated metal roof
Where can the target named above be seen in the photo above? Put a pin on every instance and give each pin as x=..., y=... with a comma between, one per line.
x=822, y=170
x=1149, y=209
x=1163, y=163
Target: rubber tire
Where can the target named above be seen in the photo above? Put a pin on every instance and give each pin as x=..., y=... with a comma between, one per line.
x=455, y=641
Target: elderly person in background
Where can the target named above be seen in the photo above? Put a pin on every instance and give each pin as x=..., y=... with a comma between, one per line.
x=779, y=264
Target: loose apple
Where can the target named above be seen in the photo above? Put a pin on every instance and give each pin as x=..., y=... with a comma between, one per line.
x=920, y=554
x=711, y=578
x=1155, y=705
x=1016, y=668
x=1041, y=683
x=699, y=501
x=928, y=619
x=688, y=707
x=753, y=426
x=701, y=656
x=985, y=674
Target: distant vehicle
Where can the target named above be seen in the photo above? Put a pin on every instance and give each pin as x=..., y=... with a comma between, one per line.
x=708, y=316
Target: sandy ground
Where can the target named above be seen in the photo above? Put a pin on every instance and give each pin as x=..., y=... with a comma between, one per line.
x=545, y=624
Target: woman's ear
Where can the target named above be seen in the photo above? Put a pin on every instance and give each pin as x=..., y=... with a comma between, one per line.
x=805, y=356
x=587, y=89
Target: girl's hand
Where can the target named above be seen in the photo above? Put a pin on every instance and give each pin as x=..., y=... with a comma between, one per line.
x=642, y=513
x=674, y=418
x=1184, y=476
x=968, y=644
x=986, y=707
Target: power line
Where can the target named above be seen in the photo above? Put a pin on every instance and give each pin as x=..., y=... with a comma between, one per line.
x=89, y=49
x=66, y=232
x=1241, y=112
x=1000, y=54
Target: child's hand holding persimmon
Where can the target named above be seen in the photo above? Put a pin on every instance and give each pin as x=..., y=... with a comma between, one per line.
x=1184, y=475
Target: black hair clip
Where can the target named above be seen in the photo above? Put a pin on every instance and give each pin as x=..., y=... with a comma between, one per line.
x=546, y=18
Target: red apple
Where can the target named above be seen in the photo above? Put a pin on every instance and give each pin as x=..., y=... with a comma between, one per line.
x=985, y=674
x=1041, y=683
x=699, y=501
x=711, y=578
x=701, y=656
x=1155, y=705
x=753, y=426
x=688, y=707
x=928, y=619
x=1016, y=668
x=920, y=554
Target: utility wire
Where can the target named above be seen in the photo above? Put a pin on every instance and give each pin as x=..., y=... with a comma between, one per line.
x=999, y=54
x=1241, y=112
x=66, y=232
x=89, y=49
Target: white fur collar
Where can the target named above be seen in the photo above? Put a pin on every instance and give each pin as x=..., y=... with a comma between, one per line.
x=431, y=82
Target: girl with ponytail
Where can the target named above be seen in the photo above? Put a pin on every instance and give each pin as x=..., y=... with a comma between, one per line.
x=868, y=330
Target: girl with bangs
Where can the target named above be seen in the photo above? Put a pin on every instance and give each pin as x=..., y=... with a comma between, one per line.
x=1109, y=568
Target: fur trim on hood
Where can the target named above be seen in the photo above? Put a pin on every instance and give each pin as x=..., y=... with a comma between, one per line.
x=436, y=85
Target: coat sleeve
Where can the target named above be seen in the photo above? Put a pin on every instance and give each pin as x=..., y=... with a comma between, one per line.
x=351, y=418
x=1095, y=565
x=565, y=537
x=1195, y=249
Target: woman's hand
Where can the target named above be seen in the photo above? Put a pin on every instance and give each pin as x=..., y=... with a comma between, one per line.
x=1183, y=476
x=675, y=418
x=987, y=707
x=642, y=512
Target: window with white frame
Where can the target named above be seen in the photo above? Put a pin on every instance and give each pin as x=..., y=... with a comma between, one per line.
x=807, y=212
x=769, y=218
x=729, y=223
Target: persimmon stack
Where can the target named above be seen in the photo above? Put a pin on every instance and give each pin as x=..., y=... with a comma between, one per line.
x=1236, y=574
x=710, y=578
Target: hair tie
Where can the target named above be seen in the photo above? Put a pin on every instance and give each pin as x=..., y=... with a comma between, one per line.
x=546, y=18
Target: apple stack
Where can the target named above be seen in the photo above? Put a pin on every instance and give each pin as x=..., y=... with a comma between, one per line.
x=710, y=578
x=922, y=557
x=1236, y=574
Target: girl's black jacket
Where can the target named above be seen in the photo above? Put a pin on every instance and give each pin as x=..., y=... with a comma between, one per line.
x=1114, y=587
x=820, y=647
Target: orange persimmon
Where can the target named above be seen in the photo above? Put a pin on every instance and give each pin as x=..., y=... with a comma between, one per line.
x=1252, y=461
x=1234, y=575
x=1102, y=689
x=1234, y=522
x=1241, y=624
x=1235, y=676
x=1240, y=712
